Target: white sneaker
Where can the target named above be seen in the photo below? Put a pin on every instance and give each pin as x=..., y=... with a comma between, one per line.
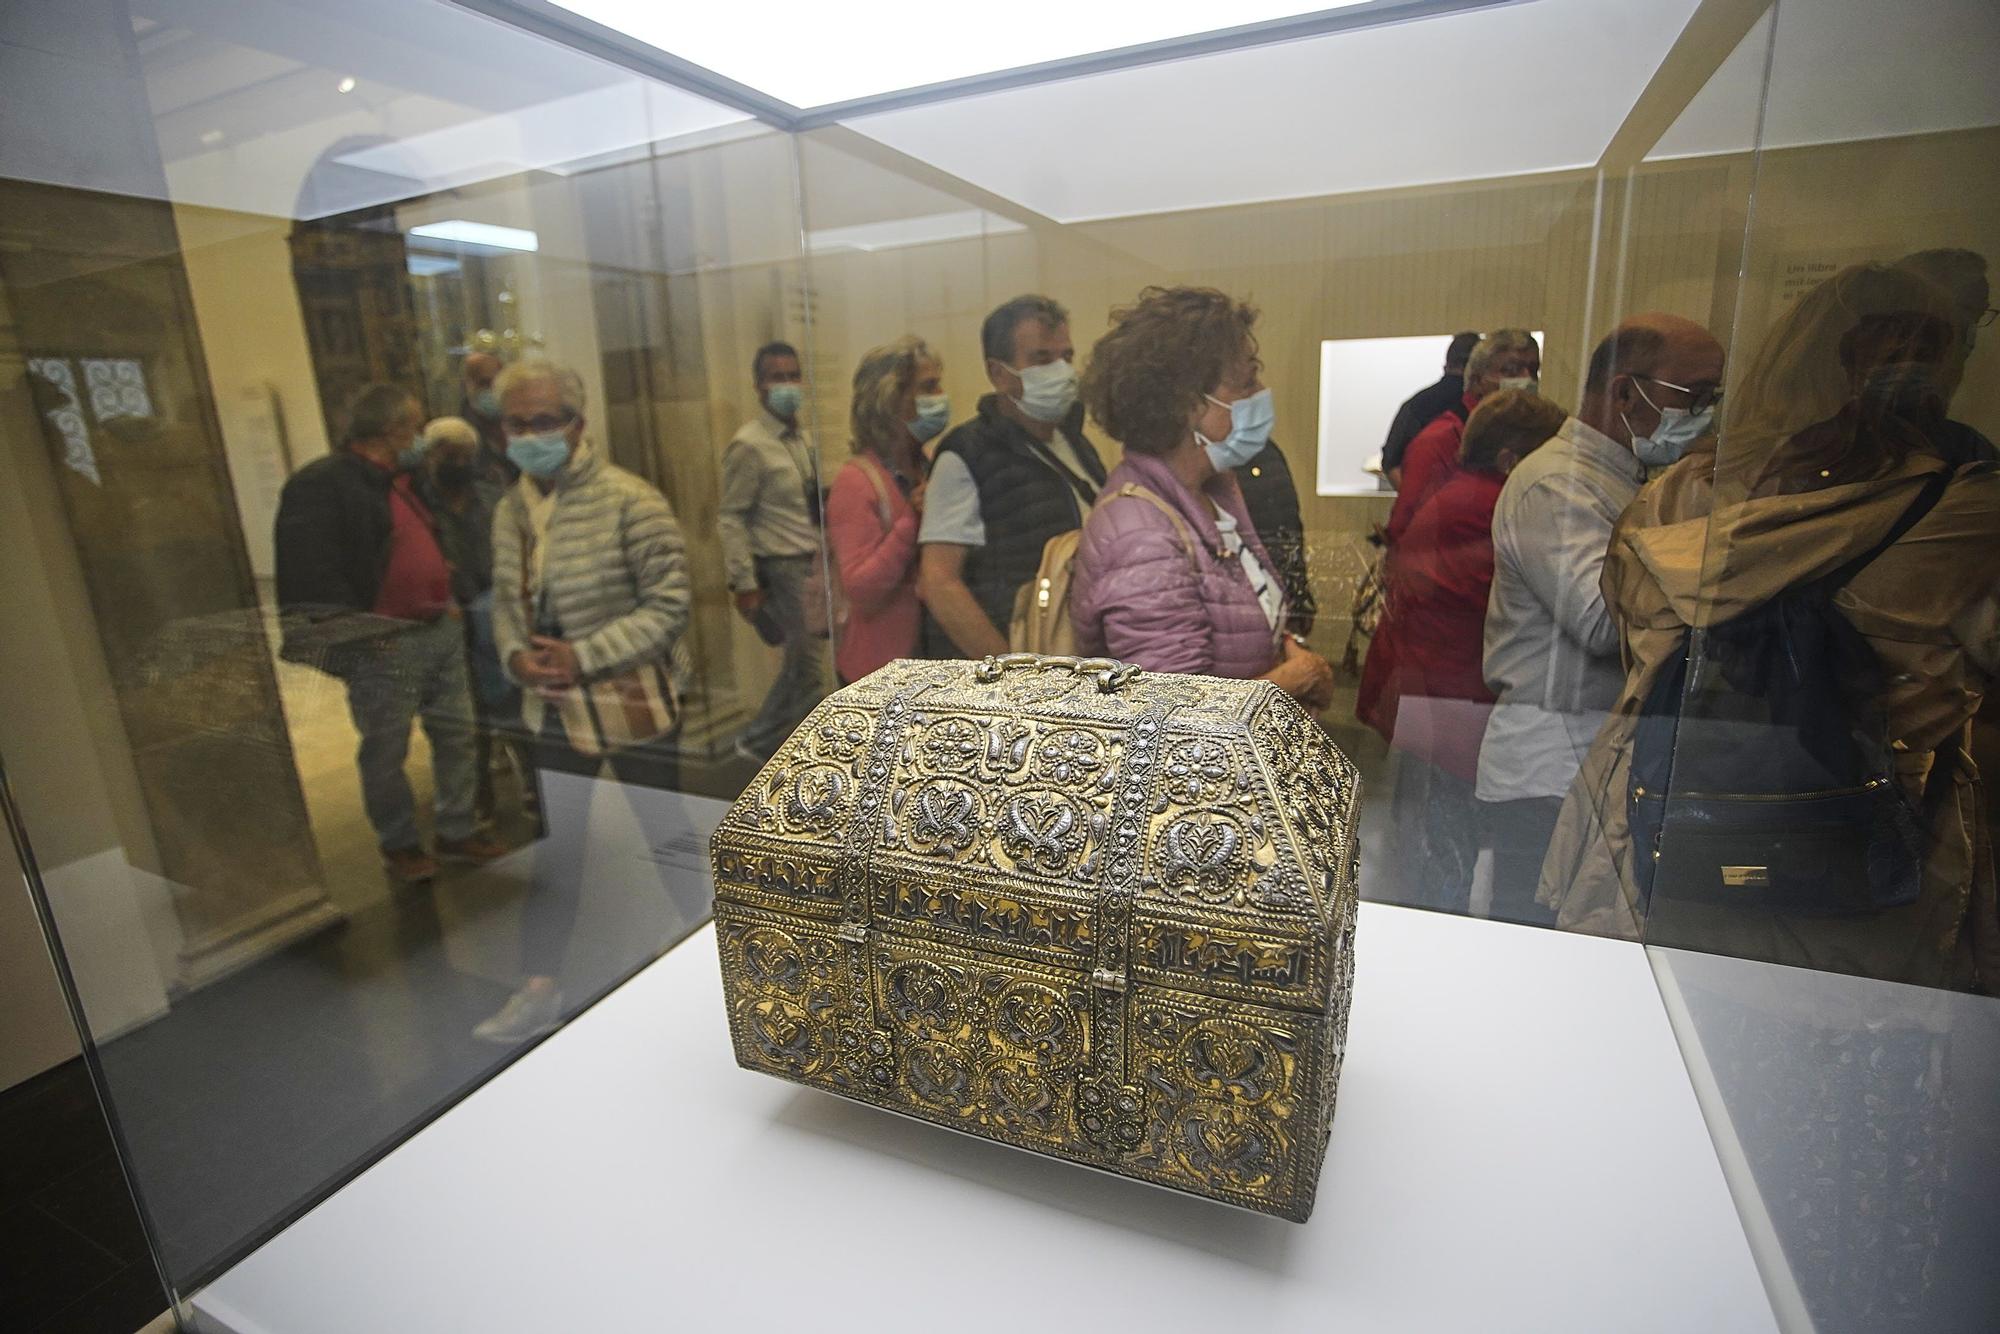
x=528, y=1013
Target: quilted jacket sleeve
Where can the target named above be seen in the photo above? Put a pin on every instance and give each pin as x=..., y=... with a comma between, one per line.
x=654, y=554
x=1133, y=591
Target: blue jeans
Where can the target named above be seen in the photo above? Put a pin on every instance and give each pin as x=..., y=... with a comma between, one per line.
x=416, y=674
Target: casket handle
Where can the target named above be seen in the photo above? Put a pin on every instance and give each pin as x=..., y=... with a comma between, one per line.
x=1110, y=672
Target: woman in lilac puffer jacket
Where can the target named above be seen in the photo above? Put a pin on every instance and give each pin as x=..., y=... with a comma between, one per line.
x=1170, y=574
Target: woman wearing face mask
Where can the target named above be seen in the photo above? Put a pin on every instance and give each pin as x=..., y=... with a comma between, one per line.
x=591, y=583
x=1170, y=574
x=877, y=498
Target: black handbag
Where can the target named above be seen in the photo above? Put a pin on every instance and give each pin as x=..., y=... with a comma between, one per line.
x=1762, y=775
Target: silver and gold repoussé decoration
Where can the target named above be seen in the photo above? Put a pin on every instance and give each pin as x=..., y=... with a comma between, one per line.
x=1092, y=912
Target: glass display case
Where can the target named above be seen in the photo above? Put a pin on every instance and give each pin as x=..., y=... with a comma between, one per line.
x=1668, y=621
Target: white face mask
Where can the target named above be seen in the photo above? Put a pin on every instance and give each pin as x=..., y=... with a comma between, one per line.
x=1047, y=392
x=1527, y=384
x=1677, y=431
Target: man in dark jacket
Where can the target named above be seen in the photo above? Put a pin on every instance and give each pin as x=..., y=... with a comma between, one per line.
x=448, y=483
x=1002, y=484
x=1420, y=408
x=1273, y=501
x=365, y=594
x=479, y=403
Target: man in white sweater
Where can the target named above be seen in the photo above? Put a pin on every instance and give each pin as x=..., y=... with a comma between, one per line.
x=1551, y=650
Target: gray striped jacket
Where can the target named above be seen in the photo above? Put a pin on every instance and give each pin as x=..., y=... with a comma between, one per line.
x=615, y=573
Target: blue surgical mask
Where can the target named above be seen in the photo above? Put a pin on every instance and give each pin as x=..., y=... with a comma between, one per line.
x=541, y=455
x=1672, y=438
x=933, y=415
x=1249, y=430
x=486, y=402
x=784, y=399
x=412, y=455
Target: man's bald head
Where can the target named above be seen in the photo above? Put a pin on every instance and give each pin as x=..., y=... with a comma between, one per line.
x=1631, y=370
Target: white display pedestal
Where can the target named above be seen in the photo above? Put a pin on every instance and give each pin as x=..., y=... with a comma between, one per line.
x=1516, y=1147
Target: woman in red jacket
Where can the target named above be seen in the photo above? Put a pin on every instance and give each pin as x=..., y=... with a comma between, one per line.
x=1423, y=688
x=874, y=505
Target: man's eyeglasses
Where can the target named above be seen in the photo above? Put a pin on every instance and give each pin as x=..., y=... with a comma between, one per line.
x=1699, y=400
x=537, y=425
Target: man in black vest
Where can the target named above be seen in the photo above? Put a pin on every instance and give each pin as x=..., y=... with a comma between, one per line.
x=1002, y=484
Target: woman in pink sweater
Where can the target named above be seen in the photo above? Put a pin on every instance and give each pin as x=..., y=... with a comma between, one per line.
x=873, y=508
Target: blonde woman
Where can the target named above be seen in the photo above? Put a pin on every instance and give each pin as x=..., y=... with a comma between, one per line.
x=873, y=508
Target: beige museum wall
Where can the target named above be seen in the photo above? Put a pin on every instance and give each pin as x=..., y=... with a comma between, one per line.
x=239, y=272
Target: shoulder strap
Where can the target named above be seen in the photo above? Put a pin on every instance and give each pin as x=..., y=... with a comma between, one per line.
x=873, y=471
x=1086, y=491
x=1181, y=529
x=1927, y=498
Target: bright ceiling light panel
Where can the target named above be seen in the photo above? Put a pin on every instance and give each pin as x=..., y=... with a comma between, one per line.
x=466, y=232
x=813, y=54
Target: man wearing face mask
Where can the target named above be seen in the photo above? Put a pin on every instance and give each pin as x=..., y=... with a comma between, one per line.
x=1503, y=359
x=1001, y=485
x=768, y=521
x=479, y=403
x=1551, y=651
x=448, y=482
x=365, y=594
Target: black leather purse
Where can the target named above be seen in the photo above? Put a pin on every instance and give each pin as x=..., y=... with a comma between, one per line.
x=1762, y=775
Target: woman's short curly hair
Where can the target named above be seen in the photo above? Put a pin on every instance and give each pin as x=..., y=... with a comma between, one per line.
x=1512, y=419
x=1162, y=353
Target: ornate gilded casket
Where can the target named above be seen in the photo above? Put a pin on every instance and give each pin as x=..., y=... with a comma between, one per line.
x=1094, y=912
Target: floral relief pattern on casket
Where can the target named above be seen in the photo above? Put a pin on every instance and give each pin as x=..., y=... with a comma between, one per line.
x=941, y=818
x=815, y=799
x=782, y=1033
x=988, y=1046
x=1071, y=758
x=921, y=996
x=841, y=736
x=1226, y=1059
x=1315, y=783
x=1224, y=1095
x=773, y=962
x=787, y=1006
x=951, y=746
x=1227, y=1146
x=1205, y=855
x=1044, y=832
x=1198, y=770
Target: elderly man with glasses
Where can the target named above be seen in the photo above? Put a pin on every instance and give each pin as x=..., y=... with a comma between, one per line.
x=1551, y=652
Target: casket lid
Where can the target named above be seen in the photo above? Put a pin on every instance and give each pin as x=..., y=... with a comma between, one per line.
x=1190, y=831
